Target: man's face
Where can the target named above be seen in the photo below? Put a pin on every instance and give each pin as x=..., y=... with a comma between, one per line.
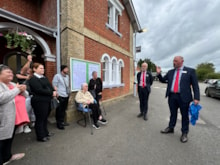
x=177, y=62
x=143, y=67
x=66, y=70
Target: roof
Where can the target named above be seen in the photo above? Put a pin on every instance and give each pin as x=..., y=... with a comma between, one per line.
x=132, y=15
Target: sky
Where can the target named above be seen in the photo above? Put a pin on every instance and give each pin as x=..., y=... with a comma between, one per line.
x=175, y=27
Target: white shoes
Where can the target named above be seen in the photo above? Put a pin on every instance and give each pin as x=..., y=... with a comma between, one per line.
x=27, y=129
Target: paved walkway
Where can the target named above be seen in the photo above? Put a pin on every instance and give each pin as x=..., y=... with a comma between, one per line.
x=126, y=140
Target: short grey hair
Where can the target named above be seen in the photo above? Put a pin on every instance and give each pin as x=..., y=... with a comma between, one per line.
x=93, y=72
x=83, y=84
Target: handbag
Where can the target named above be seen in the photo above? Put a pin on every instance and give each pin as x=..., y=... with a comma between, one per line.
x=54, y=103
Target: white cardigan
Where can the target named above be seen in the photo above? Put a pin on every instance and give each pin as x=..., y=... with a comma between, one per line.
x=7, y=110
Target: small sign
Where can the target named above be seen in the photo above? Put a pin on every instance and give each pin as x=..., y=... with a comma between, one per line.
x=138, y=49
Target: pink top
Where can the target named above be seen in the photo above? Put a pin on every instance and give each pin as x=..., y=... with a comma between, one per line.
x=21, y=116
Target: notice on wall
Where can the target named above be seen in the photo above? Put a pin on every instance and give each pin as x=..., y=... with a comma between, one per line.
x=81, y=72
x=93, y=67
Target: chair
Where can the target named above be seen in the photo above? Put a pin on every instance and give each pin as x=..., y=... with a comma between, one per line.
x=84, y=111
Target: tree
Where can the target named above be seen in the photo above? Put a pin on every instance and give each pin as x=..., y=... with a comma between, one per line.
x=151, y=65
x=205, y=70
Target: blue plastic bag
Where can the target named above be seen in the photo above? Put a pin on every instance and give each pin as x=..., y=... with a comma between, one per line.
x=194, y=112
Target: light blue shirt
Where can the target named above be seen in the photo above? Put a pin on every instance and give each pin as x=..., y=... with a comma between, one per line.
x=174, y=79
x=62, y=84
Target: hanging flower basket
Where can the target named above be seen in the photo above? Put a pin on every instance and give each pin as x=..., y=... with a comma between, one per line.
x=20, y=39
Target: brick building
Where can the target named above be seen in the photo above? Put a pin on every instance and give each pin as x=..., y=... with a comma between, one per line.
x=100, y=31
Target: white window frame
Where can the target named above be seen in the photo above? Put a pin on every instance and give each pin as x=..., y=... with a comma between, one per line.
x=112, y=73
x=120, y=66
x=106, y=59
x=116, y=9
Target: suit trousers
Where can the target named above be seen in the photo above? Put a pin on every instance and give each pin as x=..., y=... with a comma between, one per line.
x=5, y=149
x=176, y=102
x=95, y=112
x=42, y=110
x=61, y=110
x=143, y=94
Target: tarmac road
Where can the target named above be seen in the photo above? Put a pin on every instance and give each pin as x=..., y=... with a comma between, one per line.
x=128, y=140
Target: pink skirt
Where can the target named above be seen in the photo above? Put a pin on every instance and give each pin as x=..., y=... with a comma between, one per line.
x=21, y=116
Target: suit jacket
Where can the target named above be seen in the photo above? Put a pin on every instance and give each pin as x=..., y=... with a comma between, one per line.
x=149, y=80
x=7, y=110
x=188, y=80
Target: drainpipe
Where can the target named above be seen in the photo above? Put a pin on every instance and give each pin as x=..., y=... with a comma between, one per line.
x=58, y=58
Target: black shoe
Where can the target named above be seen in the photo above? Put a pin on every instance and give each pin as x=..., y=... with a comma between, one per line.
x=145, y=117
x=60, y=127
x=167, y=130
x=65, y=124
x=140, y=115
x=45, y=139
x=103, y=121
x=50, y=134
x=184, y=138
x=96, y=126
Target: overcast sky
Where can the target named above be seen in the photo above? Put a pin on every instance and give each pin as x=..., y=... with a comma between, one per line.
x=175, y=27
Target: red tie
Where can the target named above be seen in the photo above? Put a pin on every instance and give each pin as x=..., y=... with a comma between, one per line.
x=143, y=85
x=176, y=84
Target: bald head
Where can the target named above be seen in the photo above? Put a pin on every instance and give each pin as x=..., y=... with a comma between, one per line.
x=144, y=67
x=178, y=61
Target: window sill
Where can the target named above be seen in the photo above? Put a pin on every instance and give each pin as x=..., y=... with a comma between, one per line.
x=113, y=85
x=115, y=31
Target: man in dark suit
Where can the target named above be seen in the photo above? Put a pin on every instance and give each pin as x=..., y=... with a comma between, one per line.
x=145, y=81
x=180, y=82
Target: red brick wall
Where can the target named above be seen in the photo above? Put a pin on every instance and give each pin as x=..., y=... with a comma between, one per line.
x=94, y=52
x=25, y=8
x=96, y=17
x=50, y=70
x=48, y=14
x=43, y=12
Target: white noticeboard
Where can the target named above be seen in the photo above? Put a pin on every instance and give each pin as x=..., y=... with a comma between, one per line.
x=81, y=72
x=93, y=67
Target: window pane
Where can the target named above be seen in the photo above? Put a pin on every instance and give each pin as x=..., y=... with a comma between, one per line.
x=116, y=21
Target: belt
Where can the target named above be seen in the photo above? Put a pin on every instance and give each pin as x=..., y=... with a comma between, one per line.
x=62, y=97
x=174, y=93
x=143, y=87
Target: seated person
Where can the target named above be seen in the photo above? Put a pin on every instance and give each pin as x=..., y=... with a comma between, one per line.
x=84, y=97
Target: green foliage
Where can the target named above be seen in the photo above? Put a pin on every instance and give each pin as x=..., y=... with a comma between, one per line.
x=213, y=76
x=23, y=40
x=151, y=65
x=206, y=71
